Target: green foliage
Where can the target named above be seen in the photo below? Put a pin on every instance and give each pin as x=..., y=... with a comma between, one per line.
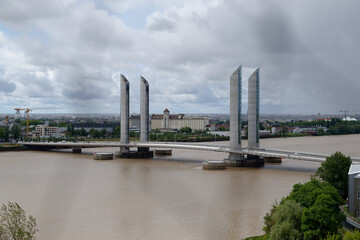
x=352, y=235
x=284, y=130
x=134, y=134
x=307, y=193
x=99, y=134
x=185, y=130
x=335, y=236
x=287, y=218
x=268, y=219
x=335, y=171
x=32, y=122
x=5, y=133
x=311, y=211
x=16, y=132
x=1, y=133
x=321, y=214
x=284, y=230
x=83, y=132
x=196, y=135
x=116, y=132
x=62, y=124
x=70, y=131
x=14, y=224
x=322, y=218
x=264, y=237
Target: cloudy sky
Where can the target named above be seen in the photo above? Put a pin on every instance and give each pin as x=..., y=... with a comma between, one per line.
x=69, y=54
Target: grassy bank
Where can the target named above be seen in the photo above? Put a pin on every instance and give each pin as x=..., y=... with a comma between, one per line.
x=263, y=237
x=11, y=147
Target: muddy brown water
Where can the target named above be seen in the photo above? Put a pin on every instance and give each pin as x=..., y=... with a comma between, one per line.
x=75, y=197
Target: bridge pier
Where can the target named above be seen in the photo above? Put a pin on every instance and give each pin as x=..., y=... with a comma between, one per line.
x=248, y=161
x=76, y=150
x=272, y=159
x=240, y=160
x=142, y=152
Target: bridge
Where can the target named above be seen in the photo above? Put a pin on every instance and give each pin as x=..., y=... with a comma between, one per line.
x=261, y=152
x=238, y=155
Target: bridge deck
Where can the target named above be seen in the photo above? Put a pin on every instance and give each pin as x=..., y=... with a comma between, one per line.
x=190, y=146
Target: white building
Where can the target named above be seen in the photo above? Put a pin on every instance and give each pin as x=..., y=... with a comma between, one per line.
x=169, y=121
x=46, y=131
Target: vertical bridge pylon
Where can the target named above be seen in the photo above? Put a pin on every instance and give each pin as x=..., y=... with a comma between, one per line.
x=237, y=159
x=143, y=152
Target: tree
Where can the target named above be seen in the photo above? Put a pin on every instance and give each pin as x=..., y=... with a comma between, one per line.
x=102, y=133
x=322, y=218
x=269, y=220
x=335, y=171
x=70, y=131
x=1, y=133
x=61, y=124
x=32, y=122
x=16, y=132
x=284, y=230
x=335, y=236
x=284, y=130
x=83, y=132
x=287, y=218
x=321, y=131
x=185, y=130
x=116, y=132
x=321, y=215
x=14, y=224
x=352, y=235
x=94, y=133
x=307, y=193
x=6, y=134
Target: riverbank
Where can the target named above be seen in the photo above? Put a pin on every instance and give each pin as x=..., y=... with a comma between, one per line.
x=263, y=237
x=8, y=147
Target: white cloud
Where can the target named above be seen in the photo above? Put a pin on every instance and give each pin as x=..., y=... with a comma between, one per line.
x=72, y=52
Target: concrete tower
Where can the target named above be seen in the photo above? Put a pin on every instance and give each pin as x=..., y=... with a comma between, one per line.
x=124, y=113
x=235, y=114
x=253, y=110
x=144, y=110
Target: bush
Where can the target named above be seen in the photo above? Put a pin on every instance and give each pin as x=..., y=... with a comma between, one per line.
x=287, y=219
x=352, y=235
x=14, y=224
x=335, y=171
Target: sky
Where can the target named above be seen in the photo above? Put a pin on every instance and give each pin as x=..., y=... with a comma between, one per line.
x=69, y=54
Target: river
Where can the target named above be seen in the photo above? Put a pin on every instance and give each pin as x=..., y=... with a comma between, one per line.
x=75, y=197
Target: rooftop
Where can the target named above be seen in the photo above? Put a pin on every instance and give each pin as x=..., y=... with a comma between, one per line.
x=354, y=168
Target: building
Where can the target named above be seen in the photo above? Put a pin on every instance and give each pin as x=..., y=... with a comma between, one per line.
x=354, y=189
x=135, y=122
x=214, y=127
x=109, y=127
x=44, y=131
x=169, y=122
x=349, y=119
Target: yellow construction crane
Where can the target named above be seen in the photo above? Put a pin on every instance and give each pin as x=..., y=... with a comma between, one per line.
x=27, y=110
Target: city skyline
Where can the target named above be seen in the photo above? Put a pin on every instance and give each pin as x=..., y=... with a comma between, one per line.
x=70, y=54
